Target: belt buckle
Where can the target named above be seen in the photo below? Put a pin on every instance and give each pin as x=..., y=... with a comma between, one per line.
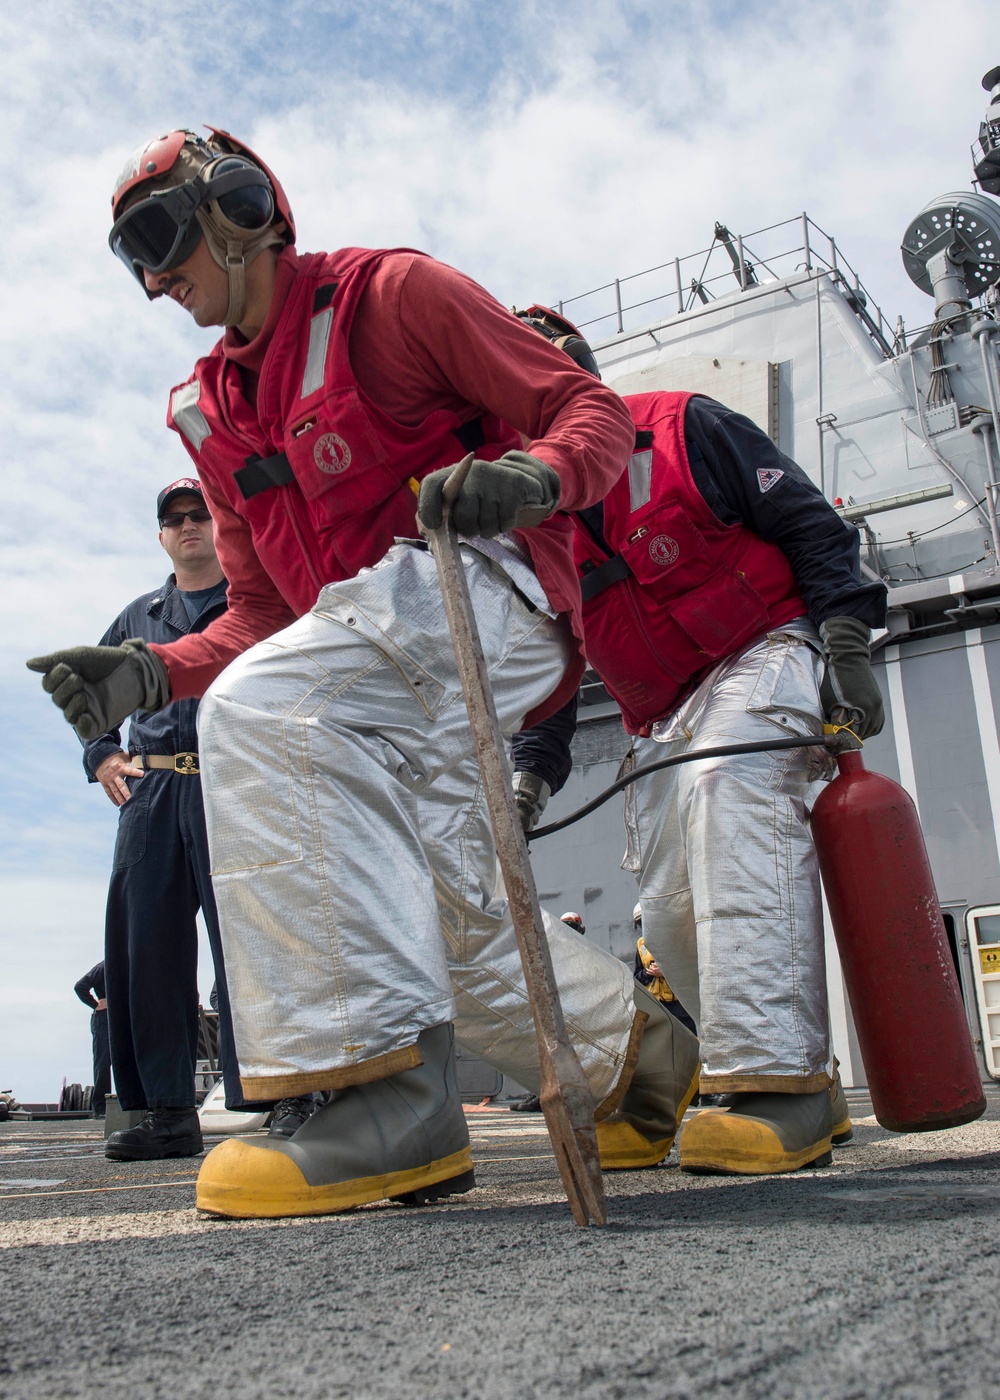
x=186, y=763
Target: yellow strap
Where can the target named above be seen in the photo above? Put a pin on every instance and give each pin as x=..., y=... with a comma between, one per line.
x=839, y=728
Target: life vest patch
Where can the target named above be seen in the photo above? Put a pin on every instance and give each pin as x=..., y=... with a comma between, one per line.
x=768, y=477
x=332, y=454
x=663, y=550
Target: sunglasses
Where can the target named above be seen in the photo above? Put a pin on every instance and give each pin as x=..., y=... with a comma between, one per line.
x=176, y=518
x=161, y=231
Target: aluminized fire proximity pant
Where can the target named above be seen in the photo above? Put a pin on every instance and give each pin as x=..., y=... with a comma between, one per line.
x=729, y=880
x=353, y=863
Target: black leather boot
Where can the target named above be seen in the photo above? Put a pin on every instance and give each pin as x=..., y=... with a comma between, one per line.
x=289, y=1115
x=164, y=1132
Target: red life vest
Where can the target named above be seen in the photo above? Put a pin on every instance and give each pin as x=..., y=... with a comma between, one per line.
x=316, y=469
x=685, y=590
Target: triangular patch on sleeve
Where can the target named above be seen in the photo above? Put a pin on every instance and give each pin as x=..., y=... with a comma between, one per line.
x=768, y=477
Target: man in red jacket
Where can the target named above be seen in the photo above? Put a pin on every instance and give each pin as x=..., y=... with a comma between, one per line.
x=346, y=820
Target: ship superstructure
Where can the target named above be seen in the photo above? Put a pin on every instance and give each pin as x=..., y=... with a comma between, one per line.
x=901, y=431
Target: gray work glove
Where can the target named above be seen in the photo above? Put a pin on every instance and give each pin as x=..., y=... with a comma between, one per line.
x=98, y=687
x=518, y=490
x=530, y=796
x=849, y=684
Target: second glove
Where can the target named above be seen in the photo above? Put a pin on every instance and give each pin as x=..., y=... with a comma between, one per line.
x=530, y=796
x=849, y=683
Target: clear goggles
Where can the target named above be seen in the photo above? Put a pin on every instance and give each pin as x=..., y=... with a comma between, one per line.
x=161, y=231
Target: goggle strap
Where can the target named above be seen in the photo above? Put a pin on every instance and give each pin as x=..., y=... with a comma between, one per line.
x=232, y=180
x=236, y=268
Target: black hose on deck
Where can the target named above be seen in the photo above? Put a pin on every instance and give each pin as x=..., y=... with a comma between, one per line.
x=822, y=741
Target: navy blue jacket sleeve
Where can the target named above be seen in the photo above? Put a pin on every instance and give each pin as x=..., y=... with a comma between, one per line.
x=545, y=748
x=90, y=983
x=745, y=479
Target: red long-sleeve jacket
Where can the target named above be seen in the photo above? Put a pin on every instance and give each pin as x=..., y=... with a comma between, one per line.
x=367, y=365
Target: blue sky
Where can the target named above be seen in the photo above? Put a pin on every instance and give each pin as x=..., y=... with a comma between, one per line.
x=542, y=147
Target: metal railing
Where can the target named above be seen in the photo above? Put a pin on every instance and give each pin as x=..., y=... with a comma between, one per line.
x=750, y=261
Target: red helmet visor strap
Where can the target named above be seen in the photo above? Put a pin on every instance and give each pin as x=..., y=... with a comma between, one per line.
x=161, y=232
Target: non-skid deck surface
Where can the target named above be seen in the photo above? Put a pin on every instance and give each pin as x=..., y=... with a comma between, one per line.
x=877, y=1276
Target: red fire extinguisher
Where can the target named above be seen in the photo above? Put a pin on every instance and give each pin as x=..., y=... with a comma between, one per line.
x=898, y=967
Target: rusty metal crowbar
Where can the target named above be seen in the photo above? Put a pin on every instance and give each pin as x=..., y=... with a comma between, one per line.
x=566, y=1099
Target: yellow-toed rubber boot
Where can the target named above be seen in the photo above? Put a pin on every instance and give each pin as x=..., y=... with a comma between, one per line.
x=843, y=1128
x=760, y=1133
x=403, y=1138
x=640, y=1133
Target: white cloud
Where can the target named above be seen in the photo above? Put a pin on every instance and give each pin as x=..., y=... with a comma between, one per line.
x=543, y=147
x=55, y=935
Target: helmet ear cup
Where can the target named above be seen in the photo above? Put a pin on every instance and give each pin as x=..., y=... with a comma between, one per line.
x=563, y=335
x=579, y=350
x=239, y=220
x=249, y=208
x=226, y=143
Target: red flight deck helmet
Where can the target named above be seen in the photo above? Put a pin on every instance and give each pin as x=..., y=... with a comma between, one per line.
x=182, y=186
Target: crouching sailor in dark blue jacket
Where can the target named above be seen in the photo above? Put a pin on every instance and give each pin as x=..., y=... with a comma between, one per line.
x=161, y=868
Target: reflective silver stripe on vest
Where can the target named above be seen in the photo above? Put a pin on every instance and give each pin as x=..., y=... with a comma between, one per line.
x=319, y=339
x=640, y=479
x=188, y=416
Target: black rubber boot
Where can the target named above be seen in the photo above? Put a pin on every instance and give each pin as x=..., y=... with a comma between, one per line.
x=640, y=1133
x=164, y=1132
x=403, y=1138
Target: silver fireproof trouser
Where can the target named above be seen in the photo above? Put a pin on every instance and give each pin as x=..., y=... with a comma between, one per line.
x=353, y=863
x=729, y=881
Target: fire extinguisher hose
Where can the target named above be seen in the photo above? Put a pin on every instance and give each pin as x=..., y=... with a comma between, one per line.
x=830, y=740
